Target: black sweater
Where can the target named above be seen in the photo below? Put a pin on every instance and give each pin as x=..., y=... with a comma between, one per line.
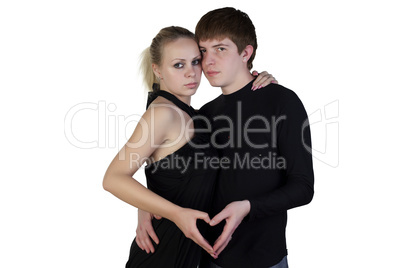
x=264, y=144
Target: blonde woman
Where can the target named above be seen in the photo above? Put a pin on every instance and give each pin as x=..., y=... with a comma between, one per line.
x=167, y=135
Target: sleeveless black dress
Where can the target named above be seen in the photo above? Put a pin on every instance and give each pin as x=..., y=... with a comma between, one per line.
x=185, y=178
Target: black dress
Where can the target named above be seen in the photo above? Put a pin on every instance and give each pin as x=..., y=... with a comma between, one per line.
x=186, y=179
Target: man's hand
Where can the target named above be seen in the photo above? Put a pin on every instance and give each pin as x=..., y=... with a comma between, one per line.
x=145, y=231
x=186, y=220
x=233, y=214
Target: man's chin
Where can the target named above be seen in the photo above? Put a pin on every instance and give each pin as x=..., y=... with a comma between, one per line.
x=214, y=83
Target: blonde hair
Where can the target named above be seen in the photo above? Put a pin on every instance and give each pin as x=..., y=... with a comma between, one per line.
x=153, y=54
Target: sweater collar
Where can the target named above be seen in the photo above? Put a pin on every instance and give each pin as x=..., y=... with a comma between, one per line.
x=239, y=93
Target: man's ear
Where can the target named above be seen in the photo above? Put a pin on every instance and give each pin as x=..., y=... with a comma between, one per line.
x=156, y=70
x=247, y=52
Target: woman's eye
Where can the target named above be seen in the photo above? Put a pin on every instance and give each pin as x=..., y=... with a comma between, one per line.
x=178, y=65
x=196, y=62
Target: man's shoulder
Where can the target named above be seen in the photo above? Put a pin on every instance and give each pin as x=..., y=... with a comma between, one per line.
x=275, y=98
x=275, y=91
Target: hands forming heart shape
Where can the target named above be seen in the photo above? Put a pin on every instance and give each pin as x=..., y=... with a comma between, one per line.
x=186, y=220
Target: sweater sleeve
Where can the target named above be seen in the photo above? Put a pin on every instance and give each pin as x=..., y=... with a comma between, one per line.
x=294, y=144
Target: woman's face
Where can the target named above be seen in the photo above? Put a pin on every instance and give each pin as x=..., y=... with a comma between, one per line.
x=180, y=69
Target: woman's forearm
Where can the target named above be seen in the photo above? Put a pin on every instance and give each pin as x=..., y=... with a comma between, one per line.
x=134, y=193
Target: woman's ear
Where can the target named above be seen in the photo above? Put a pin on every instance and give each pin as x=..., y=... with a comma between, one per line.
x=156, y=70
x=247, y=52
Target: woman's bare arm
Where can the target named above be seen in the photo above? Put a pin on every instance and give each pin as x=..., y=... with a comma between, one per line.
x=118, y=180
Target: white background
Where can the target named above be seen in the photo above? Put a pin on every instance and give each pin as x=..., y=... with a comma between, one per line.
x=55, y=55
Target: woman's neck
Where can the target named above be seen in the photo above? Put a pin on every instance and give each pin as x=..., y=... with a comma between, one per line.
x=185, y=99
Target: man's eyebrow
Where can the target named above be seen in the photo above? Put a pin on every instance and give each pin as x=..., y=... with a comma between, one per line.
x=220, y=45
x=217, y=45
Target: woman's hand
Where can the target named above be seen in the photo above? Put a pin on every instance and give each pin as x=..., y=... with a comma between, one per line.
x=263, y=80
x=145, y=231
x=186, y=220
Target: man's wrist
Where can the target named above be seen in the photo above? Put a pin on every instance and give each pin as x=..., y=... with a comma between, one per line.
x=247, y=208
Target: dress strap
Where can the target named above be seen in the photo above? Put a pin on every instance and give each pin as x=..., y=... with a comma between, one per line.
x=188, y=109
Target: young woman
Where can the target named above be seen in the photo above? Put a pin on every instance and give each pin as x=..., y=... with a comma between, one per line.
x=167, y=138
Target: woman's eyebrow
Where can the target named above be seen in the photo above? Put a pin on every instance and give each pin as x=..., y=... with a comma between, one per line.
x=199, y=55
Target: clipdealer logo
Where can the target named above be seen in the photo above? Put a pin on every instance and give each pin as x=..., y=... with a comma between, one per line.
x=324, y=126
x=112, y=129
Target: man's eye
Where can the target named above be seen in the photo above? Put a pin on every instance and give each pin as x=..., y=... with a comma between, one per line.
x=221, y=48
x=196, y=62
x=203, y=51
x=178, y=65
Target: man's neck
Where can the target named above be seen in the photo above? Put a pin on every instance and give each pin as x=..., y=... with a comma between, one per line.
x=241, y=81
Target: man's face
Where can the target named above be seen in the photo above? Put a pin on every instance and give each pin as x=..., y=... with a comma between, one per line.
x=221, y=62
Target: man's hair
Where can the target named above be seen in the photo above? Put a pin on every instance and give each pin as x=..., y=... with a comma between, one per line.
x=229, y=23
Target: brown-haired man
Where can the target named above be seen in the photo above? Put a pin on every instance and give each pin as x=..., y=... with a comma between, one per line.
x=262, y=135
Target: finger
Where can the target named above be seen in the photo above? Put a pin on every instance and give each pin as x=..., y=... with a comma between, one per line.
x=218, y=218
x=202, y=242
x=222, y=239
x=152, y=234
x=202, y=216
x=205, y=218
x=157, y=217
x=149, y=247
x=223, y=247
x=270, y=79
x=258, y=79
x=254, y=73
x=265, y=78
x=139, y=243
x=225, y=235
x=145, y=243
x=262, y=77
x=266, y=83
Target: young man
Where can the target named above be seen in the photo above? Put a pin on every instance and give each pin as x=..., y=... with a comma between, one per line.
x=262, y=138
